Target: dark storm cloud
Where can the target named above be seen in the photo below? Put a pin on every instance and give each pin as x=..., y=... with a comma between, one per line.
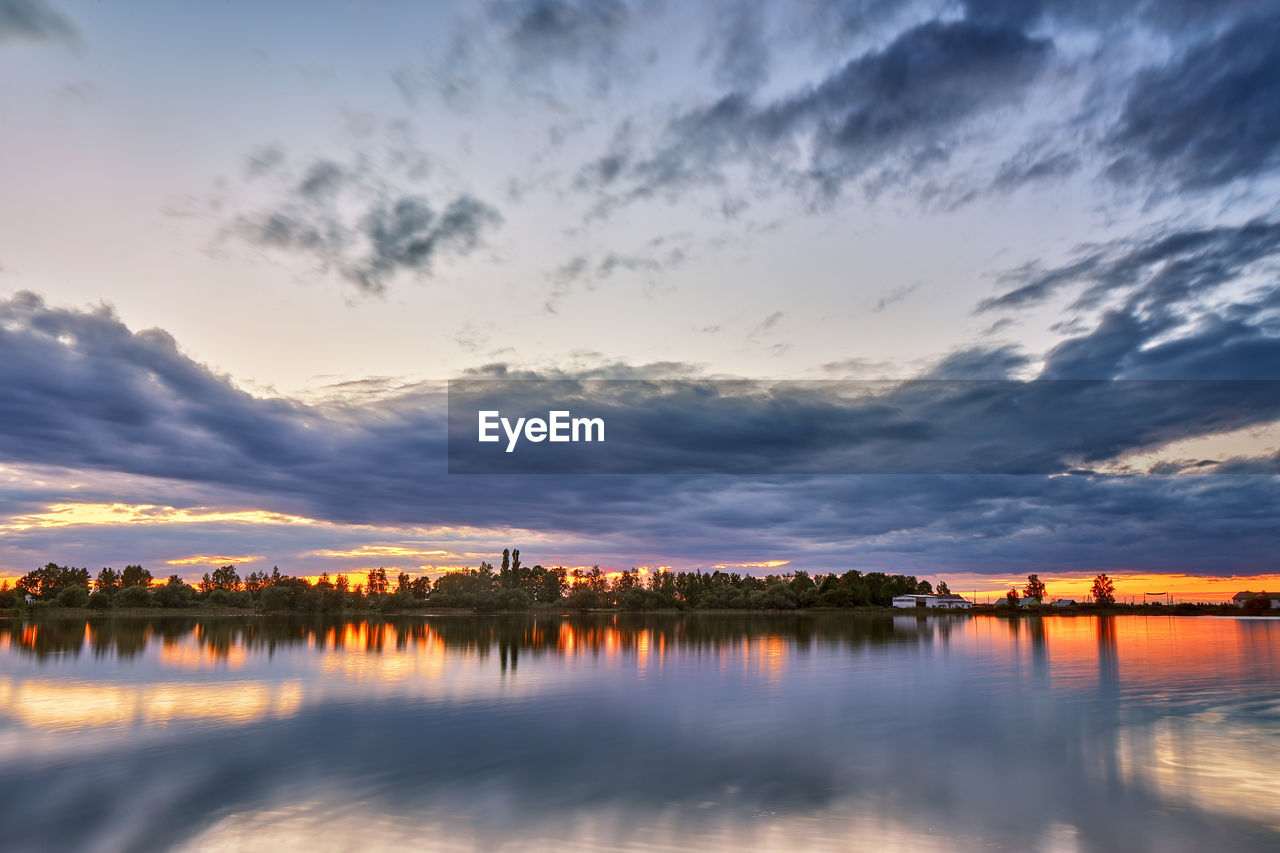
x=393, y=231
x=35, y=20
x=895, y=108
x=1124, y=346
x=80, y=391
x=1153, y=273
x=928, y=426
x=916, y=84
x=1194, y=303
x=1207, y=118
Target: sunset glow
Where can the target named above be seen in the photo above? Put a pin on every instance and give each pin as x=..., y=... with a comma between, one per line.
x=1129, y=587
x=68, y=514
x=611, y=424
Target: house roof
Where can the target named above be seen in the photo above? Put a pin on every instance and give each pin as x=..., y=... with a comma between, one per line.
x=1246, y=595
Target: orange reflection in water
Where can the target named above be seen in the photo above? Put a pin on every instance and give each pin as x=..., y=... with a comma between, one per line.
x=1152, y=652
x=57, y=706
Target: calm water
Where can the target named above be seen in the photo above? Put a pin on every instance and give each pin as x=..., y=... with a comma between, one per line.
x=712, y=732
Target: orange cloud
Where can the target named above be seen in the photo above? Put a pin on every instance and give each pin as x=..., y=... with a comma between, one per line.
x=210, y=560
x=67, y=514
x=378, y=551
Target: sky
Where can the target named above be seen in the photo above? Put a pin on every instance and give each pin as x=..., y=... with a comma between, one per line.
x=243, y=246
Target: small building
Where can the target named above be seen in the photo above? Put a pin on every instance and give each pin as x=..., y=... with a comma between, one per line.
x=1065, y=602
x=1021, y=602
x=1240, y=599
x=949, y=601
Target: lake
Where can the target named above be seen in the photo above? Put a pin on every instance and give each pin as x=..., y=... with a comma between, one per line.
x=654, y=732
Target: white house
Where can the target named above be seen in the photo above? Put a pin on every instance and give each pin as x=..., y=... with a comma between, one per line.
x=1240, y=599
x=950, y=601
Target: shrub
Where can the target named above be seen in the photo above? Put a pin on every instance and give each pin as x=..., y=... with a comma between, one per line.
x=74, y=596
x=276, y=598
x=638, y=599
x=100, y=600
x=133, y=596
x=582, y=598
x=175, y=593
x=778, y=596
x=512, y=599
x=1257, y=604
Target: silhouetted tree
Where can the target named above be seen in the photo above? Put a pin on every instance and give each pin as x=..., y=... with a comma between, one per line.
x=943, y=589
x=135, y=576
x=1104, y=591
x=376, y=582
x=1012, y=596
x=108, y=581
x=801, y=582
x=1034, y=588
x=175, y=593
x=552, y=585
x=224, y=578
x=48, y=581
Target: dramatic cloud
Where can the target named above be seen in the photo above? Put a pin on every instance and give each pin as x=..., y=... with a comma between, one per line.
x=1208, y=117
x=912, y=105
x=35, y=20
x=895, y=108
x=353, y=224
x=1156, y=273
x=82, y=392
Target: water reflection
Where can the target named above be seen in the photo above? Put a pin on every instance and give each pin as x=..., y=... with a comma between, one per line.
x=751, y=732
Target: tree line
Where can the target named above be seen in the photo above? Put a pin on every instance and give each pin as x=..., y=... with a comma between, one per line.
x=512, y=586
